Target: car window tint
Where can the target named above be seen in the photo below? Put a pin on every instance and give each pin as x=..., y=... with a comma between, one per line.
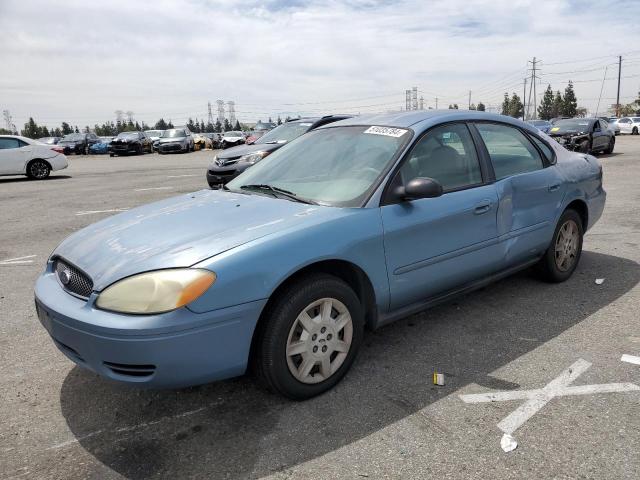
x=510, y=151
x=546, y=150
x=6, y=143
x=446, y=154
x=603, y=125
x=596, y=126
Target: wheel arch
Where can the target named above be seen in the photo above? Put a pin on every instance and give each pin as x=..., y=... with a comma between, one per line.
x=26, y=168
x=580, y=206
x=347, y=271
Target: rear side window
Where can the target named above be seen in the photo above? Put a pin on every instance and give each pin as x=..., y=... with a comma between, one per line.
x=510, y=150
x=546, y=150
x=7, y=143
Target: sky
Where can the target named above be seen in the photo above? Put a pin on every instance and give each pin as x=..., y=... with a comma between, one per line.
x=80, y=61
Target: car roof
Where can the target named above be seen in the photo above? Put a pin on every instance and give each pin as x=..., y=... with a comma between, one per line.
x=427, y=118
x=19, y=137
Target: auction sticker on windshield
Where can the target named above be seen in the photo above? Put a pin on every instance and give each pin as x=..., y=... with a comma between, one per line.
x=388, y=131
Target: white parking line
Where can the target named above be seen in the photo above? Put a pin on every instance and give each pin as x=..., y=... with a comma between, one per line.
x=92, y=212
x=18, y=260
x=538, y=398
x=152, y=188
x=180, y=176
x=630, y=359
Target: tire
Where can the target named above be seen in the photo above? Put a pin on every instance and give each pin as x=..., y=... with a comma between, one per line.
x=112, y=154
x=324, y=349
x=38, y=169
x=551, y=267
x=609, y=148
x=140, y=150
x=634, y=131
x=584, y=146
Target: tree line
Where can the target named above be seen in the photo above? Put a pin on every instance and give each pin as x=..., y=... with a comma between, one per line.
x=108, y=129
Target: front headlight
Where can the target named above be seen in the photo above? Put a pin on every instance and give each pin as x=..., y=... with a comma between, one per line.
x=254, y=157
x=156, y=292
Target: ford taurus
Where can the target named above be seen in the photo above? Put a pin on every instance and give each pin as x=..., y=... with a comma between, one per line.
x=355, y=224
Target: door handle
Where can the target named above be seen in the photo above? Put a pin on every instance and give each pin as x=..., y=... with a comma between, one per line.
x=482, y=207
x=554, y=188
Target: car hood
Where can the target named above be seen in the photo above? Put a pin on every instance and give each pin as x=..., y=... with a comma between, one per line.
x=563, y=132
x=180, y=232
x=241, y=150
x=232, y=139
x=172, y=139
x=69, y=142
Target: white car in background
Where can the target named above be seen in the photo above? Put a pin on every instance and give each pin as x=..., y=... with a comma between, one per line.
x=23, y=156
x=629, y=125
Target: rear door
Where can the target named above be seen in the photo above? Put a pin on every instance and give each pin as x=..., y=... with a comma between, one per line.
x=12, y=156
x=433, y=245
x=600, y=136
x=529, y=188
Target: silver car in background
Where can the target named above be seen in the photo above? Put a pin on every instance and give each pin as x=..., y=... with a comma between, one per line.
x=154, y=135
x=176, y=140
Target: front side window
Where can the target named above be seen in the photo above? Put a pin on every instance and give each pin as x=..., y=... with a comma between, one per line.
x=336, y=166
x=546, y=150
x=446, y=154
x=7, y=143
x=510, y=151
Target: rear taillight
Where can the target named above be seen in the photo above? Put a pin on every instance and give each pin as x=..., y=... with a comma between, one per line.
x=57, y=149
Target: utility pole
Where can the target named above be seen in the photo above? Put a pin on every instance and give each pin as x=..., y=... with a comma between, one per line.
x=532, y=86
x=407, y=102
x=601, y=88
x=524, y=97
x=210, y=118
x=436, y=103
x=618, y=95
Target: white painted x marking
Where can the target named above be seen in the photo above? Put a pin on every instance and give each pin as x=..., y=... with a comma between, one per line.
x=538, y=398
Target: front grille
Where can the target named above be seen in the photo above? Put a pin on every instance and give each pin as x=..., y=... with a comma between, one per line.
x=72, y=279
x=171, y=147
x=223, y=162
x=131, y=370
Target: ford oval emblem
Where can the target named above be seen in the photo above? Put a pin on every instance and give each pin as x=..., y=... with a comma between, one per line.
x=65, y=276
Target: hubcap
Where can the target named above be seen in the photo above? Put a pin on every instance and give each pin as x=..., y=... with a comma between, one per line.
x=38, y=169
x=567, y=245
x=319, y=340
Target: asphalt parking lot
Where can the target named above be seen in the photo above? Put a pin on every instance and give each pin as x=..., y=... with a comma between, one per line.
x=386, y=419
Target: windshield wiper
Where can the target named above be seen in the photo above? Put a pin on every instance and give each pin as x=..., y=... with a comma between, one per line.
x=275, y=191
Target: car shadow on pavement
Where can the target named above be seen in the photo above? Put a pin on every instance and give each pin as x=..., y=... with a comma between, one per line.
x=233, y=429
x=27, y=179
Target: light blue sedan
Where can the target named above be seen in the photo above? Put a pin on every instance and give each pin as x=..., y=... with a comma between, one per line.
x=355, y=224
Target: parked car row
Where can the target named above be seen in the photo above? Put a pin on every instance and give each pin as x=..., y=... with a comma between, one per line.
x=630, y=125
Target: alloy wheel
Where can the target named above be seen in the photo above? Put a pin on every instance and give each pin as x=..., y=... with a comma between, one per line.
x=566, y=247
x=319, y=340
x=39, y=170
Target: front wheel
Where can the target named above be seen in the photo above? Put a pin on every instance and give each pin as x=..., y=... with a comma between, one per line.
x=634, y=131
x=562, y=256
x=612, y=144
x=38, y=170
x=583, y=147
x=310, y=337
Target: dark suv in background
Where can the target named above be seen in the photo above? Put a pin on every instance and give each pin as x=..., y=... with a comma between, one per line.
x=78, y=143
x=230, y=163
x=585, y=135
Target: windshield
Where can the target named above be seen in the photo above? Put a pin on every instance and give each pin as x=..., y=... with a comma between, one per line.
x=577, y=124
x=174, y=133
x=284, y=133
x=153, y=133
x=232, y=134
x=128, y=135
x=539, y=123
x=335, y=166
x=74, y=136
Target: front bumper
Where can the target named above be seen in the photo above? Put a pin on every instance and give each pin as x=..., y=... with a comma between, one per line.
x=171, y=350
x=172, y=147
x=222, y=175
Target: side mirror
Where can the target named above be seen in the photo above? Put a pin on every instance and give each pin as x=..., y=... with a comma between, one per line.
x=420, y=187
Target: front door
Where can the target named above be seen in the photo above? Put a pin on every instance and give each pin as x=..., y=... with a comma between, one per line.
x=436, y=244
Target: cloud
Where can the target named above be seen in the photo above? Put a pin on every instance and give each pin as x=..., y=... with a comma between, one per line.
x=79, y=61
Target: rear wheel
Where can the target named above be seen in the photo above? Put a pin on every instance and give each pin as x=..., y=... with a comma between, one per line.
x=38, y=169
x=563, y=255
x=634, y=131
x=310, y=337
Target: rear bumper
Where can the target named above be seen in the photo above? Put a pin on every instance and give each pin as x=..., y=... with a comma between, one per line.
x=173, y=350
